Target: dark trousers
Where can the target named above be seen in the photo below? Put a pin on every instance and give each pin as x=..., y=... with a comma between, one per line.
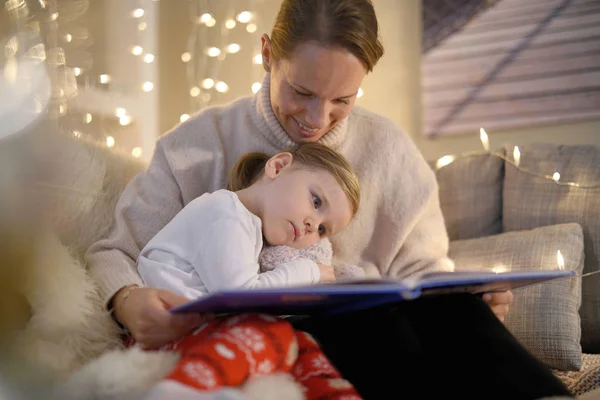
x=436, y=347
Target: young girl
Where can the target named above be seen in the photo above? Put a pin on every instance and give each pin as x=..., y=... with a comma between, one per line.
x=294, y=198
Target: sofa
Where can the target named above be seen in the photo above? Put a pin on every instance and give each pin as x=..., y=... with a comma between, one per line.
x=497, y=216
x=534, y=206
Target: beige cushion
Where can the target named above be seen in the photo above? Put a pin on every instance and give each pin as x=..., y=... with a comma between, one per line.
x=531, y=201
x=470, y=191
x=543, y=317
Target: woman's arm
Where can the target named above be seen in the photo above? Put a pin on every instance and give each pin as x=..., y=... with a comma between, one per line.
x=147, y=204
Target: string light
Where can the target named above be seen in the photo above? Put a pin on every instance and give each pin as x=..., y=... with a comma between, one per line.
x=204, y=18
x=244, y=17
x=484, y=139
x=136, y=152
x=555, y=177
x=88, y=118
x=517, y=156
x=110, y=141
x=120, y=112
x=195, y=91
x=77, y=71
x=221, y=87
x=500, y=268
x=104, y=78
x=137, y=50
x=125, y=120
x=184, y=117
x=142, y=26
x=204, y=73
x=213, y=51
x=446, y=160
x=68, y=37
x=208, y=83
x=77, y=133
x=560, y=260
x=233, y=48
x=148, y=58
x=138, y=13
x=147, y=86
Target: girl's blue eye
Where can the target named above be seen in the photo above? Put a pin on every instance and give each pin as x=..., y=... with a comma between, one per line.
x=321, y=230
x=316, y=201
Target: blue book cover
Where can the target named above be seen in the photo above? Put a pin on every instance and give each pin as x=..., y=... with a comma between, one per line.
x=352, y=295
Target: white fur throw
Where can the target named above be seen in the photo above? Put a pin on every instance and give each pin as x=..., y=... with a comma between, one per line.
x=70, y=342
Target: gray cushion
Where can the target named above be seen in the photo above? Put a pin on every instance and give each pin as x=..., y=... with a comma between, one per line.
x=470, y=191
x=543, y=317
x=531, y=201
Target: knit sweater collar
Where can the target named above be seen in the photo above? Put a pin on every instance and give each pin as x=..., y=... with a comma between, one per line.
x=272, y=130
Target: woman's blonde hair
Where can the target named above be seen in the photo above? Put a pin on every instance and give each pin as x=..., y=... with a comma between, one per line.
x=250, y=167
x=350, y=24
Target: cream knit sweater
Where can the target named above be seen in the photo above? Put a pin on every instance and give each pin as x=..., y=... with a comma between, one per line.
x=398, y=231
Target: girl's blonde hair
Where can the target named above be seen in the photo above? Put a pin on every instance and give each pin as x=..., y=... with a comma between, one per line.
x=250, y=167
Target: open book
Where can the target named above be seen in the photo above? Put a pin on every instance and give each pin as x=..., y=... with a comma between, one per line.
x=351, y=295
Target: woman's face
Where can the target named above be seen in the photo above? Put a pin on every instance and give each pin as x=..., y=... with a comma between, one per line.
x=314, y=90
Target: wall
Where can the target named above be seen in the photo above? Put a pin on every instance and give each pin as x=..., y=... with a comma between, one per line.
x=396, y=80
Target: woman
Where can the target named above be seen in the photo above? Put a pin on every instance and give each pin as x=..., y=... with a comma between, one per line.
x=316, y=58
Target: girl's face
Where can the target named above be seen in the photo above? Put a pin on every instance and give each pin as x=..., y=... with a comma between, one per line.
x=301, y=205
x=314, y=90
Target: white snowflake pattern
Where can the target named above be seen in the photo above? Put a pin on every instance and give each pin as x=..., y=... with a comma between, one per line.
x=224, y=351
x=292, y=354
x=199, y=371
x=249, y=337
x=265, y=367
x=321, y=363
x=339, y=384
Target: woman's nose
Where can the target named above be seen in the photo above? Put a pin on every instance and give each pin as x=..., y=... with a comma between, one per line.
x=317, y=114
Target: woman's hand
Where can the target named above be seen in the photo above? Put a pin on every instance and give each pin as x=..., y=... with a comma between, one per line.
x=499, y=302
x=145, y=312
x=327, y=274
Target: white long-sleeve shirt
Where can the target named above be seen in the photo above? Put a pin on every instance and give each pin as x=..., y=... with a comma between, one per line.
x=214, y=244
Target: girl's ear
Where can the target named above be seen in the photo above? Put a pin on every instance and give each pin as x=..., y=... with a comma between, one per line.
x=277, y=163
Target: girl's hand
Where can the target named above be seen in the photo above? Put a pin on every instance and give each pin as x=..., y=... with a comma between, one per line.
x=327, y=274
x=145, y=312
x=499, y=302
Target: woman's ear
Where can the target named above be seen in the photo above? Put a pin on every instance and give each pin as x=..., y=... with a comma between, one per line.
x=278, y=163
x=266, y=52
